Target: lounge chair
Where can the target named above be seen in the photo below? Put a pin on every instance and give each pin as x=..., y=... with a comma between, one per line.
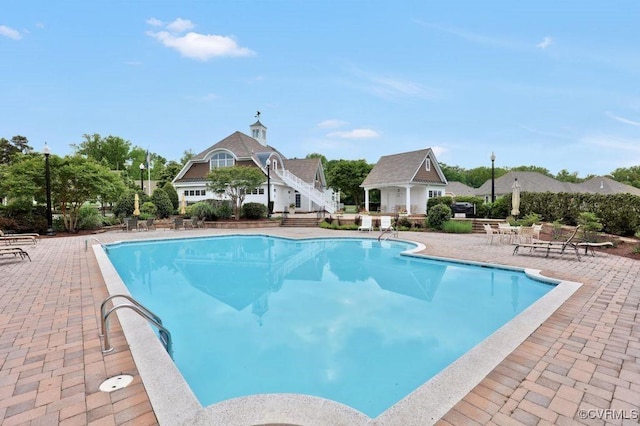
x=589, y=247
x=490, y=232
x=525, y=234
x=15, y=251
x=385, y=223
x=366, y=224
x=549, y=246
x=536, y=231
x=17, y=238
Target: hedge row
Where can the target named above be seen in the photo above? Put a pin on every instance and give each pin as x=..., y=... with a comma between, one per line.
x=619, y=213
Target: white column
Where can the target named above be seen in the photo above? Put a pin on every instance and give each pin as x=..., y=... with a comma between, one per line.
x=366, y=199
x=408, y=199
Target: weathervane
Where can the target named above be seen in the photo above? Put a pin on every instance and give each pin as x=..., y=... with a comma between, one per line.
x=258, y=115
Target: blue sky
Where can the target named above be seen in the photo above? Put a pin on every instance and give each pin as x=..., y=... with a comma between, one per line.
x=548, y=83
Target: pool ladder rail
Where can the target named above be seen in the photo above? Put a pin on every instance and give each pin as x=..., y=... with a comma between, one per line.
x=388, y=233
x=165, y=335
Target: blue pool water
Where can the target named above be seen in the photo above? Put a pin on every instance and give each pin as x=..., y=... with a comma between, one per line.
x=349, y=320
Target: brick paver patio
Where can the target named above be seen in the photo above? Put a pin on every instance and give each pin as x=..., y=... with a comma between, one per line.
x=580, y=367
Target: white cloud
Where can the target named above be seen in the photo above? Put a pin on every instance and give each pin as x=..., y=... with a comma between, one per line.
x=180, y=25
x=331, y=124
x=439, y=150
x=10, y=32
x=546, y=42
x=201, y=46
x=155, y=22
x=622, y=119
x=355, y=134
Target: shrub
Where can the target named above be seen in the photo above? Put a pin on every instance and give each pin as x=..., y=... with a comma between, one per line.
x=530, y=219
x=589, y=225
x=125, y=205
x=173, y=195
x=203, y=210
x=404, y=222
x=457, y=227
x=438, y=215
x=162, y=202
x=254, y=211
x=89, y=218
x=224, y=210
x=148, y=209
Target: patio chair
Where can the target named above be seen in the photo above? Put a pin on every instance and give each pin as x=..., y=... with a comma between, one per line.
x=130, y=223
x=178, y=223
x=385, y=223
x=490, y=232
x=15, y=251
x=366, y=224
x=549, y=246
x=525, y=234
x=536, y=230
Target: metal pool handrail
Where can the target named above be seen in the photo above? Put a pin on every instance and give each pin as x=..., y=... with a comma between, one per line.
x=165, y=335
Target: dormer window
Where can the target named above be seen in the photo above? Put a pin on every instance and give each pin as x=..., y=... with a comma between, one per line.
x=274, y=165
x=427, y=164
x=221, y=159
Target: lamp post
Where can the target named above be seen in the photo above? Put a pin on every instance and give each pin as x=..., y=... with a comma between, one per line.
x=47, y=177
x=268, y=191
x=142, y=177
x=493, y=177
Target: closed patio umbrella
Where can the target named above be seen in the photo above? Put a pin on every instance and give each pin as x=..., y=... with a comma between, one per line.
x=136, y=205
x=183, y=205
x=515, y=198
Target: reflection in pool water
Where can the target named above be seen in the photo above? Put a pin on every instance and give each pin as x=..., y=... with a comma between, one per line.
x=349, y=320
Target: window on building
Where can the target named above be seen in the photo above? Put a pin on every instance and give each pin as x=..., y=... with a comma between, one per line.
x=221, y=159
x=261, y=191
x=274, y=165
x=192, y=193
x=186, y=192
x=427, y=164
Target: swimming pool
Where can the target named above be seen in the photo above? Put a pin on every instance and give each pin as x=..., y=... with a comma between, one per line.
x=349, y=320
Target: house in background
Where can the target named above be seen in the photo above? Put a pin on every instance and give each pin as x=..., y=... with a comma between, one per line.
x=300, y=182
x=406, y=182
x=537, y=182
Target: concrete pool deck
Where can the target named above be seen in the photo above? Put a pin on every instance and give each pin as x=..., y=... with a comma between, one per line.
x=579, y=367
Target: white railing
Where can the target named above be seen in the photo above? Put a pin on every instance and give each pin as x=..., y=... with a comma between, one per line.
x=323, y=200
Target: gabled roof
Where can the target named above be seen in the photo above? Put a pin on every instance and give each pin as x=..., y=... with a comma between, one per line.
x=529, y=182
x=402, y=169
x=537, y=182
x=458, y=189
x=605, y=185
x=305, y=168
x=241, y=145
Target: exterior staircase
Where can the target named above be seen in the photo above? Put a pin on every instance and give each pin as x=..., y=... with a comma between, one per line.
x=300, y=222
x=323, y=200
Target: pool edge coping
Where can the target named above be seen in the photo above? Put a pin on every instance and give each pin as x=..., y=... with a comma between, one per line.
x=174, y=402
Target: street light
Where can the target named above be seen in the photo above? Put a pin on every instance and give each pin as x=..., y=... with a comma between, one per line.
x=47, y=177
x=493, y=177
x=142, y=176
x=268, y=191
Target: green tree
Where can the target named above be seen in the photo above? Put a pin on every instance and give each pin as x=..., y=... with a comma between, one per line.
x=235, y=183
x=564, y=176
x=168, y=173
x=186, y=156
x=532, y=168
x=322, y=158
x=628, y=175
x=173, y=195
x=112, y=150
x=346, y=176
x=162, y=202
x=9, y=150
x=76, y=180
x=454, y=173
